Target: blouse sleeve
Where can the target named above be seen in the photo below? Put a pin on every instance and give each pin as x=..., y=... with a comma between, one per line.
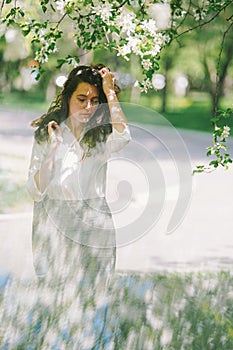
x=117, y=140
x=38, y=154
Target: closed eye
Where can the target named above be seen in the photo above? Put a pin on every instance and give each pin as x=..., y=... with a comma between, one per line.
x=94, y=102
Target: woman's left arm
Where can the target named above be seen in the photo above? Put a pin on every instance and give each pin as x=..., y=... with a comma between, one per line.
x=119, y=121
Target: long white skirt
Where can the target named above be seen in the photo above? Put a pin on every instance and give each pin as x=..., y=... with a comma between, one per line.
x=73, y=239
x=74, y=254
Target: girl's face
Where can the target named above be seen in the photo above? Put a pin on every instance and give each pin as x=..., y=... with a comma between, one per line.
x=83, y=103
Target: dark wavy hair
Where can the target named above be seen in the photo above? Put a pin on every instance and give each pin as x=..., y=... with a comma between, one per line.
x=98, y=127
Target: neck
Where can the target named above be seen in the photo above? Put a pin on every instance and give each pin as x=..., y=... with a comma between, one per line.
x=75, y=128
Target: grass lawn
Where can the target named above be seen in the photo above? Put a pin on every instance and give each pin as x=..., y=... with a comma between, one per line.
x=193, y=112
x=196, y=116
x=23, y=101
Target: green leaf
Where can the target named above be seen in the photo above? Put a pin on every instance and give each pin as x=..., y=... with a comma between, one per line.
x=60, y=63
x=11, y=21
x=52, y=7
x=38, y=76
x=197, y=171
x=25, y=32
x=200, y=167
x=215, y=163
x=11, y=13
x=44, y=8
x=35, y=40
x=21, y=12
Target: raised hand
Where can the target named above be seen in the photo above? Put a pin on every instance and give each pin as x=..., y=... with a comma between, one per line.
x=118, y=118
x=55, y=133
x=107, y=80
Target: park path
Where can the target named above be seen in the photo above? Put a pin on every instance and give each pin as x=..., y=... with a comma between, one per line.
x=202, y=241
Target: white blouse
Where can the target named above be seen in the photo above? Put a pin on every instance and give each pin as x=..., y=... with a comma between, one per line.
x=75, y=178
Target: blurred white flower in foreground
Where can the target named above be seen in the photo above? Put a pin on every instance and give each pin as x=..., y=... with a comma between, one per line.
x=162, y=15
x=166, y=336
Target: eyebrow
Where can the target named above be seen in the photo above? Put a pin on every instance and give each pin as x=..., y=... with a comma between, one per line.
x=82, y=95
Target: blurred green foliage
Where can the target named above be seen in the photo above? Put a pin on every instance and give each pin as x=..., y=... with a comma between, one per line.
x=149, y=311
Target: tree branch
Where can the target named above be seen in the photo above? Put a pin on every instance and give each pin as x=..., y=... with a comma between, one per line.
x=94, y=13
x=2, y=5
x=200, y=25
x=207, y=74
x=218, y=68
x=229, y=18
x=60, y=20
x=185, y=16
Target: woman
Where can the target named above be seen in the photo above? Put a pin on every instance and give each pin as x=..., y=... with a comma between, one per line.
x=73, y=232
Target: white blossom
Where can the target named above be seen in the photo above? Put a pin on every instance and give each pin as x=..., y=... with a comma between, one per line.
x=41, y=57
x=226, y=132
x=85, y=10
x=146, y=64
x=156, y=49
x=146, y=85
x=124, y=50
x=181, y=15
x=150, y=26
x=199, y=14
x=134, y=43
x=104, y=10
x=60, y=5
x=126, y=22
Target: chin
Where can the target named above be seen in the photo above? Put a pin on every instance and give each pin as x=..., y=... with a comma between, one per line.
x=81, y=119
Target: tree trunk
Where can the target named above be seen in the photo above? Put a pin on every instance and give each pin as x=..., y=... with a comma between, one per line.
x=216, y=89
x=165, y=89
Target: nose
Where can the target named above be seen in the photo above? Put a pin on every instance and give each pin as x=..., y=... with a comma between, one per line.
x=88, y=105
